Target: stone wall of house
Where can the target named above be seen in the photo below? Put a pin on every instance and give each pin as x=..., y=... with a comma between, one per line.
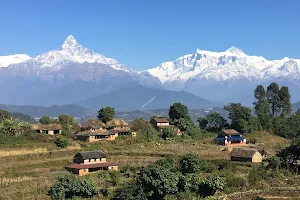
x=83, y=172
x=93, y=161
x=257, y=158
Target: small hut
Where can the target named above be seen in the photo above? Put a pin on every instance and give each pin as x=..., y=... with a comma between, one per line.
x=49, y=129
x=116, y=124
x=92, y=125
x=230, y=137
x=85, y=162
x=246, y=155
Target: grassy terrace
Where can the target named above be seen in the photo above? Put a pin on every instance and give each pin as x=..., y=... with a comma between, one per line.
x=27, y=172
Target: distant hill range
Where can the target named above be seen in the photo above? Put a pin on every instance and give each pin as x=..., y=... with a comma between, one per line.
x=52, y=111
x=143, y=98
x=22, y=117
x=296, y=106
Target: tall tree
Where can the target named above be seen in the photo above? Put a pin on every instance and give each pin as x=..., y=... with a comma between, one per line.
x=66, y=119
x=45, y=120
x=238, y=114
x=274, y=98
x=177, y=111
x=285, y=101
x=106, y=114
x=213, y=122
x=261, y=106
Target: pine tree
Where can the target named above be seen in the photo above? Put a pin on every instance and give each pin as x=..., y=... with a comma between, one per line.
x=285, y=101
x=262, y=107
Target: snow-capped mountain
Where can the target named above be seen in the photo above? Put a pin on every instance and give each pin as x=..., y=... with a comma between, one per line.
x=13, y=59
x=66, y=75
x=220, y=66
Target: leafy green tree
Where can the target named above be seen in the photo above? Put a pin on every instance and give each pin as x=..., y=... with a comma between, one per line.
x=158, y=181
x=45, y=120
x=262, y=107
x=178, y=111
x=70, y=186
x=139, y=124
x=274, y=98
x=213, y=122
x=106, y=114
x=66, y=120
x=4, y=115
x=211, y=185
x=238, y=114
x=281, y=127
x=189, y=182
x=167, y=163
x=14, y=128
x=183, y=123
x=202, y=121
x=285, y=101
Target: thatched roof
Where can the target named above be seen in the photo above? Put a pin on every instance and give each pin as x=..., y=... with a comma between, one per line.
x=160, y=120
x=91, y=155
x=49, y=127
x=243, y=152
x=229, y=132
x=116, y=122
x=94, y=133
x=93, y=123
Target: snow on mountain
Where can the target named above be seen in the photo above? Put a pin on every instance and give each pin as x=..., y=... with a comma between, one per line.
x=72, y=52
x=13, y=59
x=220, y=66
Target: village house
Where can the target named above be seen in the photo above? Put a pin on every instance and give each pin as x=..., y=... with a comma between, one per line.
x=95, y=130
x=49, y=129
x=159, y=123
x=230, y=137
x=246, y=155
x=92, y=125
x=86, y=162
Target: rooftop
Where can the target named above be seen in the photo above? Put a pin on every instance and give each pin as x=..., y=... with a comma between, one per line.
x=161, y=120
x=229, y=132
x=243, y=152
x=91, y=154
x=93, y=123
x=49, y=127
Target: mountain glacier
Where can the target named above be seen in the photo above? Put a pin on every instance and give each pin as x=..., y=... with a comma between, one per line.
x=226, y=76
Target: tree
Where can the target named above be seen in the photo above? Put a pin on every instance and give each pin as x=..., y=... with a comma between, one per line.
x=261, y=106
x=213, y=122
x=14, y=128
x=4, y=115
x=45, y=120
x=189, y=163
x=131, y=191
x=139, y=124
x=158, y=181
x=106, y=114
x=274, y=98
x=238, y=115
x=70, y=186
x=285, y=101
x=202, y=122
x=61, y=142
x=178, y=111
x=66, y=120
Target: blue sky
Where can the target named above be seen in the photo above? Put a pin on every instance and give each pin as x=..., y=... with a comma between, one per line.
x=144, y=33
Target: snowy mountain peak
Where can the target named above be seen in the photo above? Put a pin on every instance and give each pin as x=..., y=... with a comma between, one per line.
x=13, y=59
x=235, y=50
x=69, y=43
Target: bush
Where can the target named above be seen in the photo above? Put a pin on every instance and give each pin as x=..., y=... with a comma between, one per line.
x=189, y=182
x=252, y=140
x=61, y=142
x=70, y=186
x=190, y=163
x=257, y=174
x=236, y=182
x=114, y=177
x=158, y=181
x=131, y=191
x=168, y=133
x=167, y=163
x=104, y=191
x=211, y=185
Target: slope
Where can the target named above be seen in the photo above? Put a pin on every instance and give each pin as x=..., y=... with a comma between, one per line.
x=143, y=98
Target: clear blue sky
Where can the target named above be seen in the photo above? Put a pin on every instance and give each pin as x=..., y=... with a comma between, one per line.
x=144, y=33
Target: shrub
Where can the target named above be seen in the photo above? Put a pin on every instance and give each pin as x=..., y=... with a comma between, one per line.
x=168, y=133
x=131, y=191
x=104, y=191
x=190, y=163
x=70, y=186
x=114, y=177
x=252, y=140
x=211, y=185
x=158, y=181
x=167, y=163
x=61, y=142
x=188, y=182
x=257, y=174
x=236, y=182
